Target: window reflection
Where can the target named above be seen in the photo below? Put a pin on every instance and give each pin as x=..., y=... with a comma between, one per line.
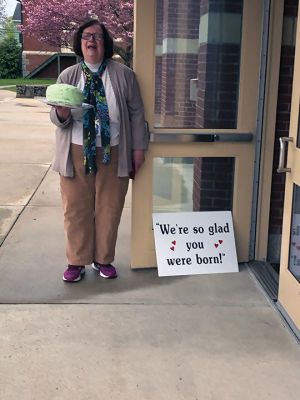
x=197, y=63
x=192, y=184
x=294, y=262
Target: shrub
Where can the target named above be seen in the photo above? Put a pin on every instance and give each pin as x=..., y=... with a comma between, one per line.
x=10, y=59
x=10, y=52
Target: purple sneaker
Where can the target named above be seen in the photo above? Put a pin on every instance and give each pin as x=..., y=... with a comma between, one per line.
x=73, y=273
x=106, y=271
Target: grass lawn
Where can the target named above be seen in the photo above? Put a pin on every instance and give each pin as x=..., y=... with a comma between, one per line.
x=20, y=81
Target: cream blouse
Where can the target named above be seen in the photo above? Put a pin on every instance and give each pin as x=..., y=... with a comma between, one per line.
x=113, y=111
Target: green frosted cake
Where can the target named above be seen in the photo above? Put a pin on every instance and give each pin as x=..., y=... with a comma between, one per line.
x=61, y=93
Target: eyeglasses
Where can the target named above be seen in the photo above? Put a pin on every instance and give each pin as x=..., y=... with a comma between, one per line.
x=94, y=36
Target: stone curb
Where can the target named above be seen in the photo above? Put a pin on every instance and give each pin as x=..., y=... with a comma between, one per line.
x=31, y=91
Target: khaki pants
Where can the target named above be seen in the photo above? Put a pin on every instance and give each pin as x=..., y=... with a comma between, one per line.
x=92, y=207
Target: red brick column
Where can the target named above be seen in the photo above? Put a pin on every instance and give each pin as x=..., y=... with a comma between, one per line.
x=180, y=26
x=217, y=102
x=158, y=58
x=213, y=184
x=218, y=69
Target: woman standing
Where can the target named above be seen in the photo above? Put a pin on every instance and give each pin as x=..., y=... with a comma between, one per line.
x=96, y=150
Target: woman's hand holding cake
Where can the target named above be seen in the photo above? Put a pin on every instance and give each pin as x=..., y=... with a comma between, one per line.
x=64, y=94
x=63, y=113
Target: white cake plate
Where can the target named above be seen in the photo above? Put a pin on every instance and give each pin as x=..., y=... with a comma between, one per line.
x=83, y=106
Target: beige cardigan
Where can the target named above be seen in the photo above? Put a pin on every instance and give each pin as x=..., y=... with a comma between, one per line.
x=133, y=135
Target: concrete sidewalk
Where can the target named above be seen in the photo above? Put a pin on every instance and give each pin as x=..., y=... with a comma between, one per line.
x=138, y=337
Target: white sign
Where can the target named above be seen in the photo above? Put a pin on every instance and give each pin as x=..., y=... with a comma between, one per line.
x=191, y=243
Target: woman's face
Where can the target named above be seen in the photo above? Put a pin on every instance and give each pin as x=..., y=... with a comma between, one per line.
x=92, y=44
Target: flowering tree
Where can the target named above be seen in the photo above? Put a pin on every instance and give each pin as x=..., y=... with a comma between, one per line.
x=54, y=21
x=2, y=10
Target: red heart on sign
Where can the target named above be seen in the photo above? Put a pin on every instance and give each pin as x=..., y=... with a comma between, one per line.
x=174, y=242
x=220, y=241
x=298, y=247
x=216, y=245
x=172, y=248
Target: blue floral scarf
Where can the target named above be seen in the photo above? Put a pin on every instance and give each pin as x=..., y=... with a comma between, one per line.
x=95, y=120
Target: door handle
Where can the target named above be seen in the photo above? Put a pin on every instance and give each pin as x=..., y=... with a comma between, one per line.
x=283, y=141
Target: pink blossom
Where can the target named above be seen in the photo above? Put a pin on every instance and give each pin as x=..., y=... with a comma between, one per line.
x=54, y=21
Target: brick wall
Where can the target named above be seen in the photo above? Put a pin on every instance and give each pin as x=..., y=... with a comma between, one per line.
x=32, y=55
x=158, y=58
x=51, y=70
x=177, y=29
x=218, y=70
x=32, y=61
x=281, y=130
x=216, y=107
x=215, y=65
x=32, y=43
x=213, y=184
x=218, y=78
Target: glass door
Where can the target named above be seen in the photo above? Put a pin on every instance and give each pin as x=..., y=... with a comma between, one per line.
x=289, y=279
x=198, y=64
